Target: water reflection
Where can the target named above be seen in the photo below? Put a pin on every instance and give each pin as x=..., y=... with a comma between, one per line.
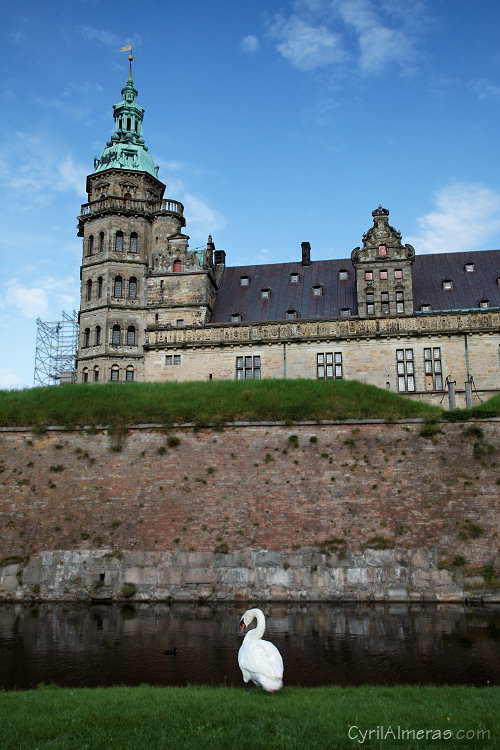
x=90, y=645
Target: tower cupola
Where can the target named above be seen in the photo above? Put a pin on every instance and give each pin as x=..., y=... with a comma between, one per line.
x=126, y=148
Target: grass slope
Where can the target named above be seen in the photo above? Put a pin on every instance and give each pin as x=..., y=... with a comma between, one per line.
x=198, y=718
x=204, y=403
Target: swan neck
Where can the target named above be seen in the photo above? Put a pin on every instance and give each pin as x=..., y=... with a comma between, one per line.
x=258, y=631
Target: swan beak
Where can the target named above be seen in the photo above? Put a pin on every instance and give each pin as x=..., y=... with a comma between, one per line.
x=242, y=625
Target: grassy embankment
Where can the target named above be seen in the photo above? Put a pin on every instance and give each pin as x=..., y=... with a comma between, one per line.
x=150, y=718
x=214, y=402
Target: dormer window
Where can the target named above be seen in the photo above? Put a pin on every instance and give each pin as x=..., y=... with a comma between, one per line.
x=236, y=318
x=294, y=278
x=447, y=284
x=265, y=293
x=343, y=274
x=425, y=307
x=469, y=268
x=484, y=304
x=291, y=314
x=317, y=290
x=382, y=251
x=244, y=280
x=345, y=312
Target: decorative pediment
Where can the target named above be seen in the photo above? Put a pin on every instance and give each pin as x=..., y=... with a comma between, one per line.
x=382, y=242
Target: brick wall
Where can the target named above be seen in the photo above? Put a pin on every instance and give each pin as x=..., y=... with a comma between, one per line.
x=257, y=487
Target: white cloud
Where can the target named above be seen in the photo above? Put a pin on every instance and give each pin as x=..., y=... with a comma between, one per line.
x=306, y=47
x=46, y=297
x=198, y=212
x=466, y=217
x=10, y=379
x=485, y=90
x=106, y=38
x=249, y=44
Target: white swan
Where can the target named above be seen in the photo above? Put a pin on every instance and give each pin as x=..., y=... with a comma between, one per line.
x=259, y=661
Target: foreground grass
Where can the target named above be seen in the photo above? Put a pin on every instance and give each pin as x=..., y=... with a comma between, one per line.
x=204, y=717
x=205, y=403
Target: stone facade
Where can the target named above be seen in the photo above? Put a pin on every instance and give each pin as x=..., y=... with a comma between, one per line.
x=151, y=309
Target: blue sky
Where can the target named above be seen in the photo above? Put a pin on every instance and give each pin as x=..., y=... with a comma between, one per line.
x=273, y=122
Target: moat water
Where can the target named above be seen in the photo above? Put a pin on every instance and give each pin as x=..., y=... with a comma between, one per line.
x=179, y=644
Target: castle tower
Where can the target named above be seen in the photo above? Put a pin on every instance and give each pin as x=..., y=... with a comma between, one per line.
x=383, y=270
x=135, y=256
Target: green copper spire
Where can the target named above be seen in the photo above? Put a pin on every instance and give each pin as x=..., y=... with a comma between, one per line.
x=126, y=148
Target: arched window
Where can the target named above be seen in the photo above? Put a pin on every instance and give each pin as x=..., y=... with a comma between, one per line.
x=97, y=335
x=132, y=287
x=90, y=246
x=101, y=242
x=118, y=287
x=116, y=334
x=85, y=375
x=119, y=242
x=129, y=373
x=131, y=336
x=133, y=242
x=96, y=374
x=86, y=337
x=177, y=268
x=115, y=372
x=126, y=197
x=99, y=286
x=89, y=290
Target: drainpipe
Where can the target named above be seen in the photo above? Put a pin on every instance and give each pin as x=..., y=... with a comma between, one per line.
x=284, y=360
x=468, y=384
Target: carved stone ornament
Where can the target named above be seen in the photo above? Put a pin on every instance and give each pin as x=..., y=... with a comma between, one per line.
x=382, y=241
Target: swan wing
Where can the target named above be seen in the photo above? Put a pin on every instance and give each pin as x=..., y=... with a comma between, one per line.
x=258, y=657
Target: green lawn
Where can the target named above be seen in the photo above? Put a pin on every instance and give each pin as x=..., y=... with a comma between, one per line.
x=150, y=718
x=205, y=403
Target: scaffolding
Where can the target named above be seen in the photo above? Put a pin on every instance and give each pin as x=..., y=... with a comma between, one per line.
x=56, y=348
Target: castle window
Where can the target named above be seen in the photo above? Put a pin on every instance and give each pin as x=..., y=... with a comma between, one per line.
x=118, y=286
x=115, y=373
x=90, y=246
x=384, y=301
x=345, y=312
x=180, y=323
x=398, y=273
x=400, y=304
x=329, y=365
x=469, y=268
x=97, y=337
x=433, y=369
x=236, y=318
x=383, y=275
x=101, y=242
x=99, y=286
x=244, y=280
x=291, y=314
x=294, y=278
x=89, y=290
x=370, y=303
x=343, y=274
x=405, y=370
x=265, y=293
x=317, y=290
x=85, y=375
x=116, y=334
x=382, y=251
x=129, y=373
x=447, y=284
x=131, y=336
x=247, y=367
x=177, y=359
x=177, y=267
x=484, y=304
x=96, y=374
x=86, y=337
x=172, y=359
x=119, y=242
x=132, y=287
x=424, y=307
x=133, y=242
x=368, y=275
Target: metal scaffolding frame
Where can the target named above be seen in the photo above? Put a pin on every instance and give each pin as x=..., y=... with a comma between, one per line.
x=56, y=349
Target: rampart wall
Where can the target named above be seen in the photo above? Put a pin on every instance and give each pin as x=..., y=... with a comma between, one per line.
x=319, y=511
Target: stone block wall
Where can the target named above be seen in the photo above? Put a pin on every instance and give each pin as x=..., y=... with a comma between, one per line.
x=202, y=506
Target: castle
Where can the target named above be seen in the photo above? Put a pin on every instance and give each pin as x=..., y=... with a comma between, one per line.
x=153, y=310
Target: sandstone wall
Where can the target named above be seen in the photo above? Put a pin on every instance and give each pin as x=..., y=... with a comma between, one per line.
x=318, y=497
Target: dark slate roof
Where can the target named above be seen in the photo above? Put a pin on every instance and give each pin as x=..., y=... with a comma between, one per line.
x=429, y=272
x=284, y=295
